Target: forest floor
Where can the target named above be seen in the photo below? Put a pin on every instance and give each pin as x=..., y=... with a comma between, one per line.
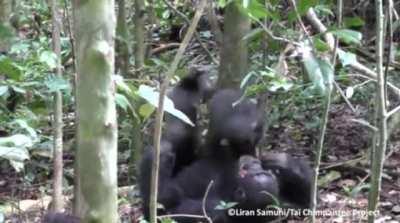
x=343, y=183
x=343, y=180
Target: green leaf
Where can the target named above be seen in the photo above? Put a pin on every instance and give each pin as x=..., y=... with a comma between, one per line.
x=319, y=71
x=14, y=149
x=23, y=124
x=146, y=110
x=356, y=190
x=14, y=153
x=3, y=90
x=18, y=89
x=320, y=45
x=8, y=68
x=223, y=3
x=151, y=96
x=121, y=85
x=353, y=22
x=49, y=58
x=225, y=205
x=327, y=73
x=304, y=5
x=347, y=58
x=254, y=9
x=122, y=102
x=348, y=36
x=328, y=178
x=56, y=83
x=17, y=140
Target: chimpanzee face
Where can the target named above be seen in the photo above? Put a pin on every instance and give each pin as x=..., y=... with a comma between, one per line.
x=256, y=187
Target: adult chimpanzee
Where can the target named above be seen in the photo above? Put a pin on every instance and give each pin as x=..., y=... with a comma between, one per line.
x=187, y=96
x=60, y=218
x=169, y=193
x=242, y=181
x=236, y=124
x=180, y=141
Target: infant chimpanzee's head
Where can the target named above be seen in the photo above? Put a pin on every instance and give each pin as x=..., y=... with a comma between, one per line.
x=256, y=188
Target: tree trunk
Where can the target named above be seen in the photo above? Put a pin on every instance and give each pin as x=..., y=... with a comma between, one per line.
x=5, y=13
x=378, y=155
x=122, y=40
x=234, y=53
x=58, y=123
x=97, y=127
x=140, y=34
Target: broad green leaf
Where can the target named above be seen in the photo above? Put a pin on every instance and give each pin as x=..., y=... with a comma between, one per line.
x=3, y=90
x=313, y=70
x=328, y=178
x=347, y=58
x=17, y=140
x=49, y=58
x=319, y=71
x=24, y=125
x=304, y=5
x=14, y=153
x=8, y=68
x=55, y=83
x=353, y=22
x=348, y=36
x=320, y=45
x=223, y=3
x=119, y=81
x=19, y=48
x=122, y=101
x=327, y=73
x=225, y=205
x=254, y=9
x=146, y=110
x=150, y=95
x=356, y=190
x=18, y=89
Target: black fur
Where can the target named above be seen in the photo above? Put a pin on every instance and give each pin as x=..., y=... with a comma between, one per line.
x=294, y=176
x=236, y=123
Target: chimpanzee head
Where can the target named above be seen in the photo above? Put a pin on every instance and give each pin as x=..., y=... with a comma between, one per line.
x=257, y=188
x=235, y=122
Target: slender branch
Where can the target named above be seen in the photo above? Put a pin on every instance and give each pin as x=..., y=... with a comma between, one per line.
x=366, y=124
x=379, y=154
x=57, y=122
x=160, y=111
x=389, y=53
x=205, y=201
x=392, y=112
